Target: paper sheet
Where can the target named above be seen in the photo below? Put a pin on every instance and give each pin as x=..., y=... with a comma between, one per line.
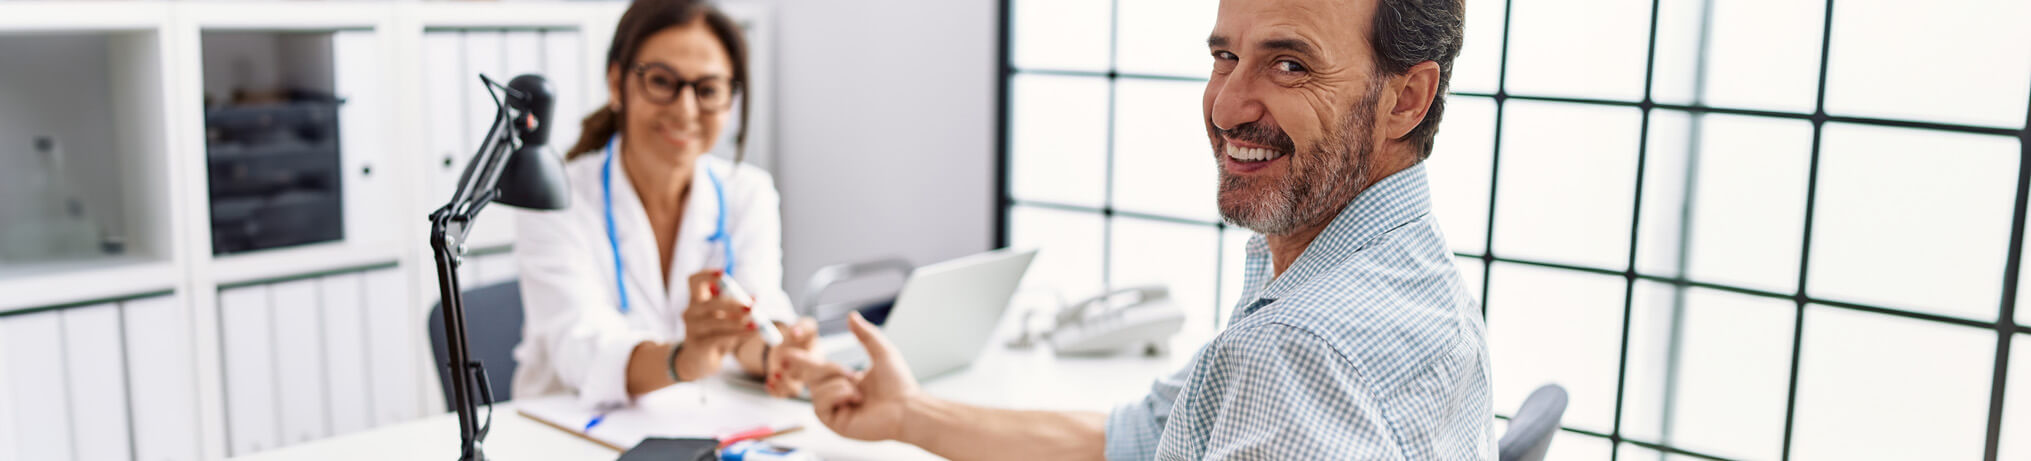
x=676, y=411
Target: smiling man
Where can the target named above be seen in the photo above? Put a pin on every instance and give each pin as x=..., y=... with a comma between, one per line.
x=1355, y=337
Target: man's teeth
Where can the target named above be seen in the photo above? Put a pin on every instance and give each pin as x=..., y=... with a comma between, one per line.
x=1251, y=154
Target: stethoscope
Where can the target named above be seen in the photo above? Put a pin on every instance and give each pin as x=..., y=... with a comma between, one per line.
x=613, y=239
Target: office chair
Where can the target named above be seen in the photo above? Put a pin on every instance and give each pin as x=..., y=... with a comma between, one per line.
x=493, y=328
x=1531, y=429
x=832, y=316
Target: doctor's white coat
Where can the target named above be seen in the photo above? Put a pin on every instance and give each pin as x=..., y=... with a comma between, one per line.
x=575, y=337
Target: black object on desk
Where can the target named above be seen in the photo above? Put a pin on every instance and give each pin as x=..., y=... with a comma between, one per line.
x=511, y=167
x=662, y=449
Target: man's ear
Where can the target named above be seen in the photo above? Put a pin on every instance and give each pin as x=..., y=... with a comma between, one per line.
x=1414, y=91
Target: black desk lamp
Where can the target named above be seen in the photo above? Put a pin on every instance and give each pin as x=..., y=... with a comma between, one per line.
x=511, y=167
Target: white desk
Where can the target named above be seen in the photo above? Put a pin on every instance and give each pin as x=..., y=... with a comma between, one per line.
x=1003, y=377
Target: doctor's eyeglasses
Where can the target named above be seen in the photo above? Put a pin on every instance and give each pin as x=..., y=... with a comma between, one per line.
x=661, y=85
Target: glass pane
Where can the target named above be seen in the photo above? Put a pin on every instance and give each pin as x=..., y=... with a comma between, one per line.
x=1678, y=51
x=1561, y=197
x=1579, y=447
x=1180, y=256
x=1058, y=139
x=1913, y=389
x=1927, y=235
x=1461, y=161
x=1579, y=48
x=1664, y=188
x=1892, y=60
x=1749, y=206
x=1069, y=260
x=1162, y=161
x=1233, y=270
x=1059, y=34
x=1472, y=272
x=1734, y=371
x=272, y=140
x=1556, y=326
x=1764, y=54
x=1164, y=37
x=2017, y=402
x=1650, y=327
x=1479, y=64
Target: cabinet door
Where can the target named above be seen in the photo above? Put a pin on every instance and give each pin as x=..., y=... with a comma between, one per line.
x=359, y=78
x=163, y=380
x=564, y=65
x=246, y=334
x=345, y=349
x=299, y=360
x=98, y=382
x=35, y=378
x=393, y=328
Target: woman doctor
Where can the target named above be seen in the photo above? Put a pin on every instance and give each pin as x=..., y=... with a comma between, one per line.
x=618, y=289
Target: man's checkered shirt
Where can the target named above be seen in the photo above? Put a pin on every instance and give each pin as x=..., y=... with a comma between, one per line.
x=1369, y=346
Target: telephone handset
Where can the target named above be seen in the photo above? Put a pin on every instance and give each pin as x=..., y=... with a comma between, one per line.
x=1115, y=321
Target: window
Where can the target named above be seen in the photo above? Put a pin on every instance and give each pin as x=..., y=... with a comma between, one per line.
x=1716, y=222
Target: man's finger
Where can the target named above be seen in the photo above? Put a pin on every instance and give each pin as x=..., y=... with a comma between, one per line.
x=878, y=347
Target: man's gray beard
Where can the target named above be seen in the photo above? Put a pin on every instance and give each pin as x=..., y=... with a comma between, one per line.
x=1322, y=180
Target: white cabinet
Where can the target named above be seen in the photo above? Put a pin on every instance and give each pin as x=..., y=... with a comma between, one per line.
x=393, y=328
x=249, y=352
x=364, y=148
x=98, y=382
x=345, y=348
x=35, y=384
x=161, y=378
x=299, y=359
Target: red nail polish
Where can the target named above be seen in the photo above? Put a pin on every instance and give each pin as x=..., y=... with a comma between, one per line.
x=715, y=290
x=751, y=326
x=746, y=309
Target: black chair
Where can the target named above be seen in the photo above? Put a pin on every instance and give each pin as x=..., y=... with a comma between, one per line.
x=1531, y=429
x=493, y=318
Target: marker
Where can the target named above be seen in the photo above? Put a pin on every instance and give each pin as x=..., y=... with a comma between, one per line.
x=762, y=324
x=757, y=433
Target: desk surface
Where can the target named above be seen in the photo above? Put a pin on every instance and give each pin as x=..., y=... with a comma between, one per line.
x=1002, y=377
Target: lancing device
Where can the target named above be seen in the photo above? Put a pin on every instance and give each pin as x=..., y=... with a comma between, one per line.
x=762, y=324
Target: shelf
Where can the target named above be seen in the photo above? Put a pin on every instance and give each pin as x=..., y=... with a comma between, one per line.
x=82, y=159
x=296, y=261
x=58, y=283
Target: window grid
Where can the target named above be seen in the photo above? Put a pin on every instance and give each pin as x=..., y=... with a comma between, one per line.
x=2005, y=325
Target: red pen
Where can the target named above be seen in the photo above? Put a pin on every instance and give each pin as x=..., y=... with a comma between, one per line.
x=757, y=433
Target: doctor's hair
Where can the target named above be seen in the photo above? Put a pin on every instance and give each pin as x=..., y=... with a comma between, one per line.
x=643, y=19
x=1407, y=32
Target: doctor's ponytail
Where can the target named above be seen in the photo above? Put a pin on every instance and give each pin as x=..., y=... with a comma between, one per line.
x=643, y=19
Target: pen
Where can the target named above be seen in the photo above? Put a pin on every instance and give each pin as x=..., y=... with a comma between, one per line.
x=595, y=422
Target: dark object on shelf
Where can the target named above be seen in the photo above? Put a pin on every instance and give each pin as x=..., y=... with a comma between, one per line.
x=274, y=171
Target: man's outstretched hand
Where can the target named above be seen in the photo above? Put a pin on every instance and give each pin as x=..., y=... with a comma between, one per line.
x=864, y=405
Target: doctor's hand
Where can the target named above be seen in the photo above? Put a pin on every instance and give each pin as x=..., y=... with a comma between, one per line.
x=866, y=405
x=713, y=325
x=782, y=375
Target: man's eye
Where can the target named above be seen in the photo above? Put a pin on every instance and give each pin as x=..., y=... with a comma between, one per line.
x=1224, y=56
x=1289, y=66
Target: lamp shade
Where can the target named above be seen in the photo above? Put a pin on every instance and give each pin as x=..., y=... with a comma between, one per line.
x=533, y=179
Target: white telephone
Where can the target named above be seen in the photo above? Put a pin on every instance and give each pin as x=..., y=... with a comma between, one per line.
x=1116, y=321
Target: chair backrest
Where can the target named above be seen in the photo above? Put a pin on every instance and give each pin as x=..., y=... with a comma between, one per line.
x=493, y=322
x=832, y=316
x=1531, y=429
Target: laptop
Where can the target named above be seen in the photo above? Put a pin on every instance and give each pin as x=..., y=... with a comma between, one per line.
x=945, y=315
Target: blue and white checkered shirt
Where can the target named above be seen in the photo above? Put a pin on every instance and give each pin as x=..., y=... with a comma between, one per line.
x=1367, y=347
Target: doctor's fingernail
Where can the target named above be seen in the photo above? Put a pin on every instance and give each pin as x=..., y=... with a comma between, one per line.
x=751, y=326
x=746, y=309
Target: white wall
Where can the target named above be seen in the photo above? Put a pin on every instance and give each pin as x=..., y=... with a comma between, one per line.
x=885, y=130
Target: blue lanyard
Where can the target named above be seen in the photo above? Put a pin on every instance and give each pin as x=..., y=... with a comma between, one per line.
x=613, y=240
